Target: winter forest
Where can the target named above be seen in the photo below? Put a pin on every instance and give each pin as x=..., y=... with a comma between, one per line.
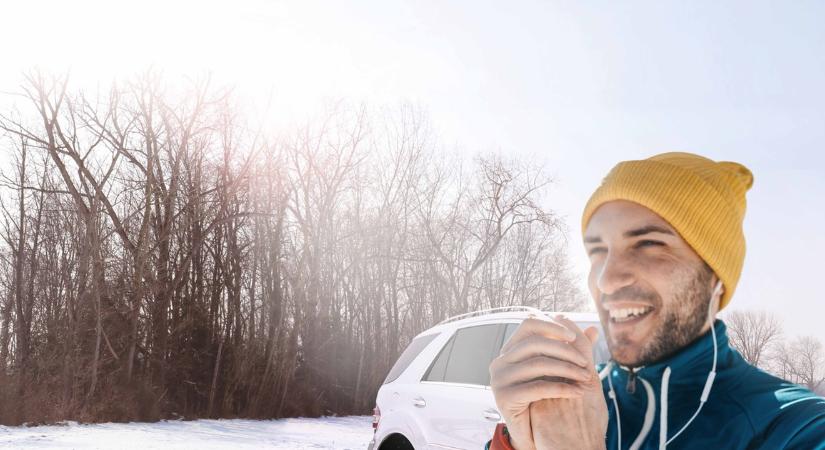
x=165, y=256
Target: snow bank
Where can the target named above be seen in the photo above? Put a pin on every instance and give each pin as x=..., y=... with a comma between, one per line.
x=340, y=433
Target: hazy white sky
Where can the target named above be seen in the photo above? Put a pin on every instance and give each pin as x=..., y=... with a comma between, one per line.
x=576, y=85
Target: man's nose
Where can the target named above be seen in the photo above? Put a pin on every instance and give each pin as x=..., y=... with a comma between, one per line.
x=616, y=273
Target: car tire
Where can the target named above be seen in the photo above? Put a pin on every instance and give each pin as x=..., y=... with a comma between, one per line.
x=396, y=442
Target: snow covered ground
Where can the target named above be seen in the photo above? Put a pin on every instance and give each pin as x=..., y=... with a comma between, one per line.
x=340, y=433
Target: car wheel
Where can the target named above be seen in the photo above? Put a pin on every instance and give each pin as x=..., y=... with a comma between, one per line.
x=396, y=442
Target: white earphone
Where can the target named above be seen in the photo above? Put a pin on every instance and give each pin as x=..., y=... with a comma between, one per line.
x=712, y=374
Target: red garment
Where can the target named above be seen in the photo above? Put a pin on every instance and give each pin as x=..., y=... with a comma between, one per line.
x=501, y=439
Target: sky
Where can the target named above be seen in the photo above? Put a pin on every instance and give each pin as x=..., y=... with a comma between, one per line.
x=575, y=86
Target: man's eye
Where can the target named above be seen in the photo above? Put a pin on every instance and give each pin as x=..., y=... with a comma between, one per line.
x=595, y=250
x=647, y=243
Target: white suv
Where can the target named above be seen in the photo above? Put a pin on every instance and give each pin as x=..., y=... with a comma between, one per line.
x=437, y=395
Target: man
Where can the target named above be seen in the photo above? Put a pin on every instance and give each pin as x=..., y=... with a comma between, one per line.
x=666, y=247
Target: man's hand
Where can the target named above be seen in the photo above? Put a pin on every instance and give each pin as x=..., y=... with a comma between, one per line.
x=542, y=360
x=573, y=423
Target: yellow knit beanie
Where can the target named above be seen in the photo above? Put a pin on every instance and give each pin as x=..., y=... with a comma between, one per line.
x=703, y=200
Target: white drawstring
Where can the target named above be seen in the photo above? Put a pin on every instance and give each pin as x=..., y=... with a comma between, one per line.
x=606, y=370
x=612, y=395
x=663, y=413
x=651, y=411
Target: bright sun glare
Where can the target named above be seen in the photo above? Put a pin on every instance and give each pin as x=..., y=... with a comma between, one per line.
x=247, y=44
x=96, y=37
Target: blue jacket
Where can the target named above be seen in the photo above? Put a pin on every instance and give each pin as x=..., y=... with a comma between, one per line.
x=746, y=408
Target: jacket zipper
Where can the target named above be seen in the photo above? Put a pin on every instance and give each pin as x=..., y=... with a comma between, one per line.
x=631, y=381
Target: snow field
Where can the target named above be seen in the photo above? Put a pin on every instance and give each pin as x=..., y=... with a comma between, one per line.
x=340, y=433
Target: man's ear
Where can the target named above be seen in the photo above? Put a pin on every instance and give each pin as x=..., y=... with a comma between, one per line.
x=719, y=288
x=718, y=292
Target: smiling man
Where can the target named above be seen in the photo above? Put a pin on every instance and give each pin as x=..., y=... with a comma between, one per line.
x=666, y=247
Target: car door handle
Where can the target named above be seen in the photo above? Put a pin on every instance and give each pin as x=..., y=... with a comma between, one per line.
x=419, y=402
x=492, y=414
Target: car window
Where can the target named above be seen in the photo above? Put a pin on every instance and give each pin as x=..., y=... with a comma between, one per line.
x=439, y=366
x=472, y=351
x=511, y=328
x=409, y=354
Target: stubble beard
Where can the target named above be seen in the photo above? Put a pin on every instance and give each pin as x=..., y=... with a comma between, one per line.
x=683, y=322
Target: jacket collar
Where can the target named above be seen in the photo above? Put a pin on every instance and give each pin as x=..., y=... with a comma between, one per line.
x=693, y=362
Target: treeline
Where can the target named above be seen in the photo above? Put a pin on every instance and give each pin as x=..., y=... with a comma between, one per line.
x=161, y=258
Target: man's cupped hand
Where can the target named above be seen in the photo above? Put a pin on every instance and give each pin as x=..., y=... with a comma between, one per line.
x=546, y=387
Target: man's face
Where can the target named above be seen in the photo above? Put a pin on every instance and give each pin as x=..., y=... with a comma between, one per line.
x=650, y=288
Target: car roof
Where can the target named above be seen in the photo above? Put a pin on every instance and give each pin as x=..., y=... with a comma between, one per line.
x=507, y=316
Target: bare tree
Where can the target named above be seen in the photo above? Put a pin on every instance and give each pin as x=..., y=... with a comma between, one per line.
x=478, y=219
x=802, y=361
x=753, y=333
